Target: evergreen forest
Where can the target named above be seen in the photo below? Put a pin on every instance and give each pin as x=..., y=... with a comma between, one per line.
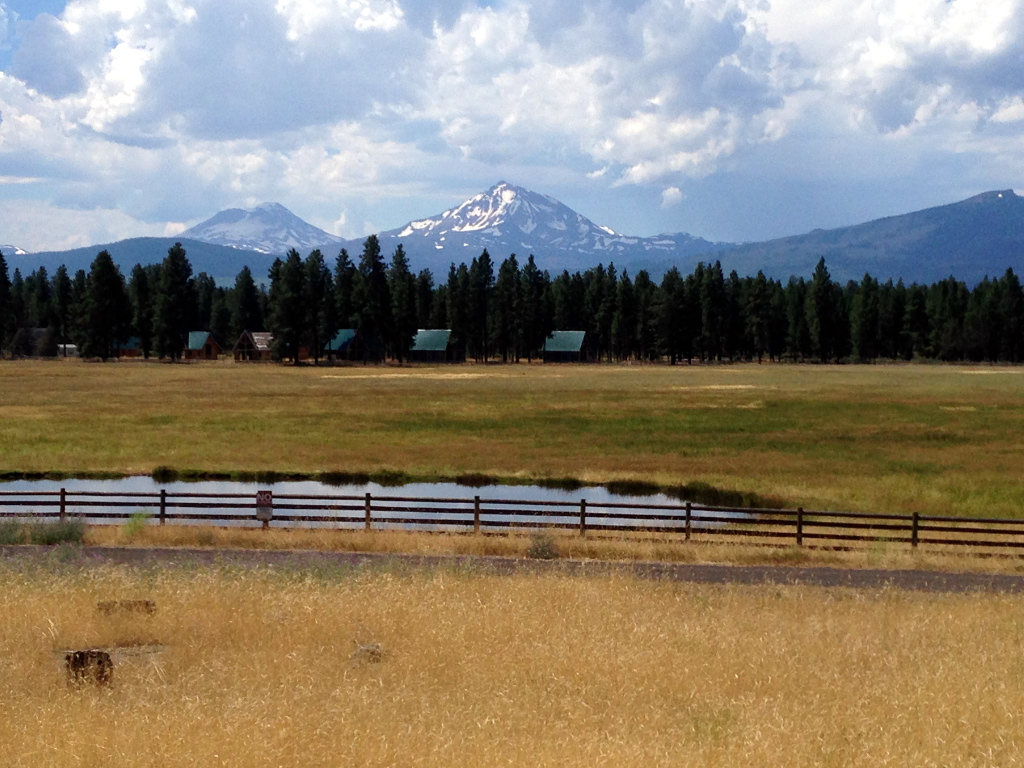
x=505, y=311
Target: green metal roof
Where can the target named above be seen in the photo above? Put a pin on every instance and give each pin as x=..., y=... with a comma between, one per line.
x=564, y=341
x=196, y=340
x=342, y=339
x=430, y=341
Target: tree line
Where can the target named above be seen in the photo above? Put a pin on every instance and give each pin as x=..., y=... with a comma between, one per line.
x=506, y=311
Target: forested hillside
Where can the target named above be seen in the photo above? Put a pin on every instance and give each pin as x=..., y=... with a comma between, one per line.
x=505, y=311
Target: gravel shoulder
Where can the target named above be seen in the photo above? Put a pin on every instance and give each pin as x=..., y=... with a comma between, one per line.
x=820, y=576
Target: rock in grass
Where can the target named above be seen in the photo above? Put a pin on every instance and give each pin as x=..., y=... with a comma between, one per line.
x=372, y=653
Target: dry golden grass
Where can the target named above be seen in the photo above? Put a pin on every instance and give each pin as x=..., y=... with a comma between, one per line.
x=256, y=670
x=881, y=555
x=936, y=439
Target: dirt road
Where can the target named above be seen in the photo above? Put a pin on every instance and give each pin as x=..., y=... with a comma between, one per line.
x=931, y=581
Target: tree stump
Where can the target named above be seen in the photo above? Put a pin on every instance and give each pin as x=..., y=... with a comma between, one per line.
x=89, y=666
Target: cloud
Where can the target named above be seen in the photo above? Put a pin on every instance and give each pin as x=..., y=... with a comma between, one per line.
x=45, y=59
x=36, y=226
x=170, y=109
x=671, y=196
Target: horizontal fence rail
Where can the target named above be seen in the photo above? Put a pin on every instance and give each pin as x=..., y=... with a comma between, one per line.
x=685, y=521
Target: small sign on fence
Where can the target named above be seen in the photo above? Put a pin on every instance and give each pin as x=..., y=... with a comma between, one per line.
x=264, y=505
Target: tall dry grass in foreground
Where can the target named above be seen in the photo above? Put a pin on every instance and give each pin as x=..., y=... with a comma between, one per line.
x=530, y=670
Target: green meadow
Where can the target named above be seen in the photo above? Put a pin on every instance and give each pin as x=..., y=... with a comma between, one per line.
x=933, y=438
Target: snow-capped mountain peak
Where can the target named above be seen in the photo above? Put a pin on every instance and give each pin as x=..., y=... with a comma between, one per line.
x=515, y=217
x=267, y=228
x=8, y=250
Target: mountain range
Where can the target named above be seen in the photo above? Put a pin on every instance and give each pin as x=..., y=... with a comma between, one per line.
x=983, y=235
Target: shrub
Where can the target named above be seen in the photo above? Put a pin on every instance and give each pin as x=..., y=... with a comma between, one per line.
x=135, y=525
x=164, y=475
x=11, y=532
x=542, y=546
x=60, y=532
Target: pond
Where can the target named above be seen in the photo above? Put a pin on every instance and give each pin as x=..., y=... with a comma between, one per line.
x=310, y=503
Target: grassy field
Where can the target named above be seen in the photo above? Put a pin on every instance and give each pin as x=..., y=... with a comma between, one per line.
x=256, y=668
x=936, y=439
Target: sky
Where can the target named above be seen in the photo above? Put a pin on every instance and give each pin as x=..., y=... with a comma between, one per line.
x=734, y=120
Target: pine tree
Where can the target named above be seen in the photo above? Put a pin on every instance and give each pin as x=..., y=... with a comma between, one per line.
x=916, y=330
x=821, y=311
x=204, y=288
x=756, y=314
x=246, y=314
x=287, y=308
x=458, y=306
x=425, y=301
x=778, y=324
x=1011, y=310
x=60, y=306
x=671, y=319
x=481, y=286
x=77, y=314
x=712, y=312
x=344, y=276
x=18, y=300
x=6, y=308
x=402, y=286
x=371, y=298
x=864, y=319
x=321, y=311
x=174, y=303
x=536, y=310
x=107, y=309
x=37, y=295
x=647, y=297
x=505, y=322
x=798, y=336
x=141, y=295
x=438, y=309
x=220, y=318
x=624, y=319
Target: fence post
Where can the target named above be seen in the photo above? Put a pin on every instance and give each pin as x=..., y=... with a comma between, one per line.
x=689, y=514
x=583, y=517
x=476, y=514
x=368, y=518
x=63, y=505
x=163, y=506
x=913, y=530
x=799, y=526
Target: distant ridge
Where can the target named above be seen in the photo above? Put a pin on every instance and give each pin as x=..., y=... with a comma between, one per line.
x=220, y=262
x=978, y=237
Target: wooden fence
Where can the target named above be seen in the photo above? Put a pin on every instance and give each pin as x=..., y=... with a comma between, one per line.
x=684, y=521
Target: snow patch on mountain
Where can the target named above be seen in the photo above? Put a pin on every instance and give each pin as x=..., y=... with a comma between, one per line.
x=12, y=249
x=268, y=228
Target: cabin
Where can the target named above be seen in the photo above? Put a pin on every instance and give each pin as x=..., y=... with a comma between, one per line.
x=565, y=347
x=253, y=345
x=433, y=346
x=201, y=346
x=33, y=342
x=343, y=345
x=351, y=344
x=129, y=348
